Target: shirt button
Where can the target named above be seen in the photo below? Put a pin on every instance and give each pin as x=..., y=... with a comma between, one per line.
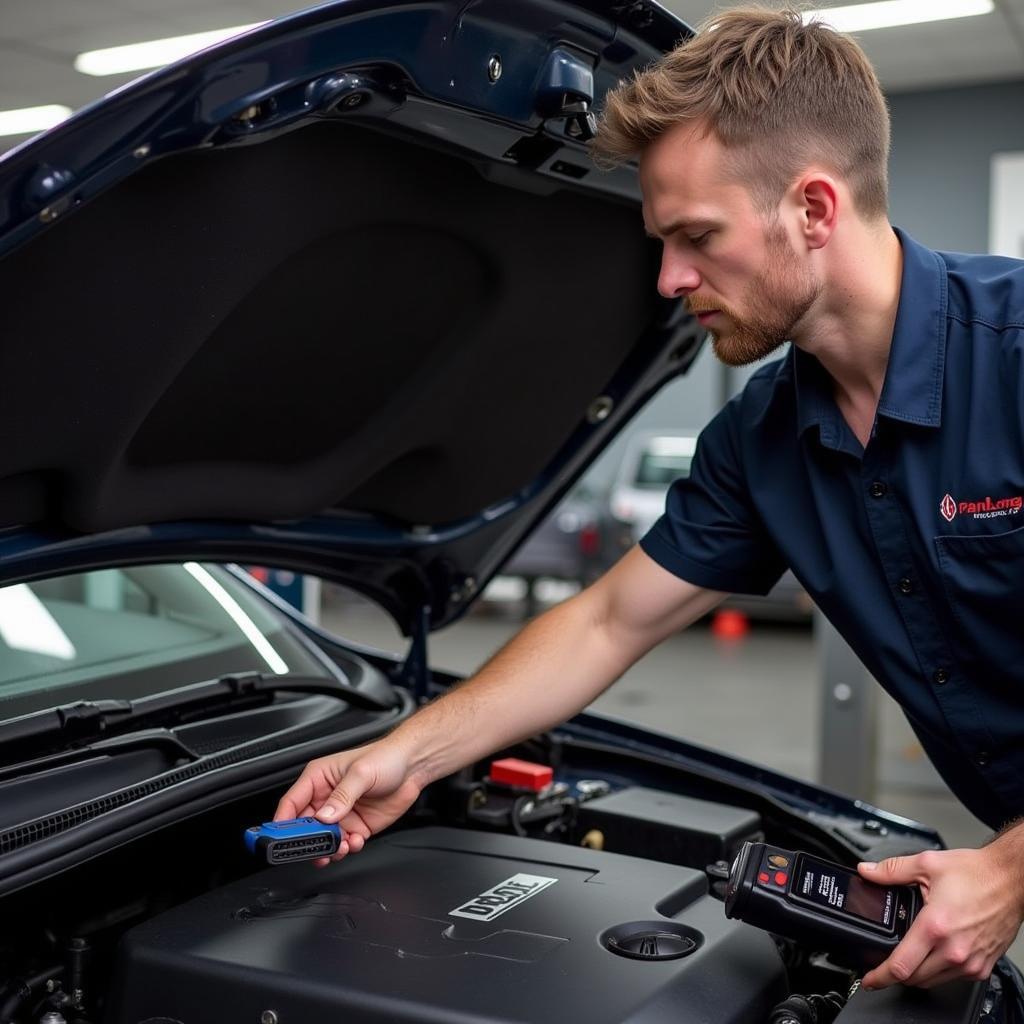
x=906, y=585
x=981, y=758
x=878, y=489
x=941, y=676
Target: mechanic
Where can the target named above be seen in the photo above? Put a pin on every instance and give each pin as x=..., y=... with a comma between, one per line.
x=881, y=458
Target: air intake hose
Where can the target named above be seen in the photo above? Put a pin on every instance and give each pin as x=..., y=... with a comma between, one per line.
x=812, y=1009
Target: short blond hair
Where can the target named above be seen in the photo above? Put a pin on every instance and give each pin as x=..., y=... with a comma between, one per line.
x=779, y=94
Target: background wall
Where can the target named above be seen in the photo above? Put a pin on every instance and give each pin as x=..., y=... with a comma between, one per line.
x=942, y=145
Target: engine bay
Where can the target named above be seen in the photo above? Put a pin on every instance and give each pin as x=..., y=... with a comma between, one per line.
x=580, y=875
x=497, y=898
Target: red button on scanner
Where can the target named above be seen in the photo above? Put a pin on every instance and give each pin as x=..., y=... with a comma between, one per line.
x=780, y=877
x=763, y=877
x=513, y=772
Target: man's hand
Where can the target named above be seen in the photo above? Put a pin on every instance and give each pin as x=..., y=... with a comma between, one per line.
x=973, y=910
x=363, y=790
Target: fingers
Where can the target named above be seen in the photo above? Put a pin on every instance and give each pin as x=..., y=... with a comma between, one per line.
x=320, y=780
x=904, y=960
x=339, y=802
x=932, y=953
x=949, y=974
x=343, y=850
x=354, y=836
x=299, y=796
x=976, y=968
x=945, y=963
x=968, y=919
x=347, y=789
x=917, y=944
x=896, y=870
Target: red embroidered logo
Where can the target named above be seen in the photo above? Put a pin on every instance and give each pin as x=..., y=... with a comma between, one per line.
x=986, y=508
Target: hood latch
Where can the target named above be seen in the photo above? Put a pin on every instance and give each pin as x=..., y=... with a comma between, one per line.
x=567, y=91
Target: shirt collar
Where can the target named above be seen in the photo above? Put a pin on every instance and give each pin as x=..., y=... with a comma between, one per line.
x=912, y=390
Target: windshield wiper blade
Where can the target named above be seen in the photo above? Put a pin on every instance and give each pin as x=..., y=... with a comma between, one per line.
x=84, y=717
x=55, y=756
x=66, y=724
x=82, y=720
x=241, y=684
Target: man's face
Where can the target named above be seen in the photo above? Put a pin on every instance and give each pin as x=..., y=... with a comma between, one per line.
x=740, y=274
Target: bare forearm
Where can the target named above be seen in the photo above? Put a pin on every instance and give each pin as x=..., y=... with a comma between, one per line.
x=555, y=667
x=547, y=673
x=551, y=670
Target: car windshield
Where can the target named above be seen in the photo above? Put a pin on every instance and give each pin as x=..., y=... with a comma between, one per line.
x=128, y=632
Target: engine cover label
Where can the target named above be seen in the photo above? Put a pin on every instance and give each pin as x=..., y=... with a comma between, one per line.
x=504, y=896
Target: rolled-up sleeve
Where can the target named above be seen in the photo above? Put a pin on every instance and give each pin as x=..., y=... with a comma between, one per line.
x=710, y=534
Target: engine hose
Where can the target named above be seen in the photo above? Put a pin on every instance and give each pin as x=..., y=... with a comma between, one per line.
x=515, y=813
x=23, y=989
x=813, y=1009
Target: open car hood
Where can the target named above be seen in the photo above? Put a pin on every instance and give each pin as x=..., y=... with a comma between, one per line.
x=343, y=294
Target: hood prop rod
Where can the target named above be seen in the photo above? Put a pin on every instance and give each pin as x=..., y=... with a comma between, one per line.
x=415, y=671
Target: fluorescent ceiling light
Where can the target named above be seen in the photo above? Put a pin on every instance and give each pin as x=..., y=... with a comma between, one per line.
x=116, y=60
x=29, y=120
x=890, y=13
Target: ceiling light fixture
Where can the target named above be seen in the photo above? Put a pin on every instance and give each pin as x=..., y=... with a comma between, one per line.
x=116, y=60
x=890, y=13
x=29, y=120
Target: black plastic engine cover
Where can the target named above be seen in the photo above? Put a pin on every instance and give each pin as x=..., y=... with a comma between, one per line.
x=418, y=927
x=669, y=826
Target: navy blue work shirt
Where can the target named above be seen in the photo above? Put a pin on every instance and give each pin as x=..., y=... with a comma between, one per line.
x=913, y=546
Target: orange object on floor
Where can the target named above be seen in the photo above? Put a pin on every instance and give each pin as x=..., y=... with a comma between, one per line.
x=729, y=624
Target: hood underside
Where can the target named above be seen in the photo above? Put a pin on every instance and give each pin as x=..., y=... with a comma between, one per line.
x=398, y=318
x=334, y=318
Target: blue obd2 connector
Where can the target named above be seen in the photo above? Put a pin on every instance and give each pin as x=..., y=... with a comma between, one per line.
x=282, y=842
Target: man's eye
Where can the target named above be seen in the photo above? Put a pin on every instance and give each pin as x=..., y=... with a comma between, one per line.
x=700, y=240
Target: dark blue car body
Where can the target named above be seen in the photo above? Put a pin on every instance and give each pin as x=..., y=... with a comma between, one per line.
x=346, y=295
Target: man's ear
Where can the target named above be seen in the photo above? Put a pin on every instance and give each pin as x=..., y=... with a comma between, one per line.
x=817, y=196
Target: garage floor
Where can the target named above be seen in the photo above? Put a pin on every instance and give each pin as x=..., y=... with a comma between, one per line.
x=758, y=698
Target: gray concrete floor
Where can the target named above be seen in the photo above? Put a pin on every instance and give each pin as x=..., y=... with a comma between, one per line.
x=759, y=699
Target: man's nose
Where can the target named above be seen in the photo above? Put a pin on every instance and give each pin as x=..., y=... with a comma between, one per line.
x=677, y=278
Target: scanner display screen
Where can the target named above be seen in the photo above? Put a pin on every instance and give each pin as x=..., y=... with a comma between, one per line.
x=827, y=885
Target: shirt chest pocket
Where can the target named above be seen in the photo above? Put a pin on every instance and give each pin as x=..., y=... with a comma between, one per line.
x=983, y=577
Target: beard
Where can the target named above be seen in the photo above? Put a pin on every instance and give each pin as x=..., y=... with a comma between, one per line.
x=780, y=297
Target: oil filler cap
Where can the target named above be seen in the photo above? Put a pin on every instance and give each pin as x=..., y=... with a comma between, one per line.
x=652, y=940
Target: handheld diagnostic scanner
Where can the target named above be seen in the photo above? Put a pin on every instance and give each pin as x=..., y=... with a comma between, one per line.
x=282, y=842
x=819, y=903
